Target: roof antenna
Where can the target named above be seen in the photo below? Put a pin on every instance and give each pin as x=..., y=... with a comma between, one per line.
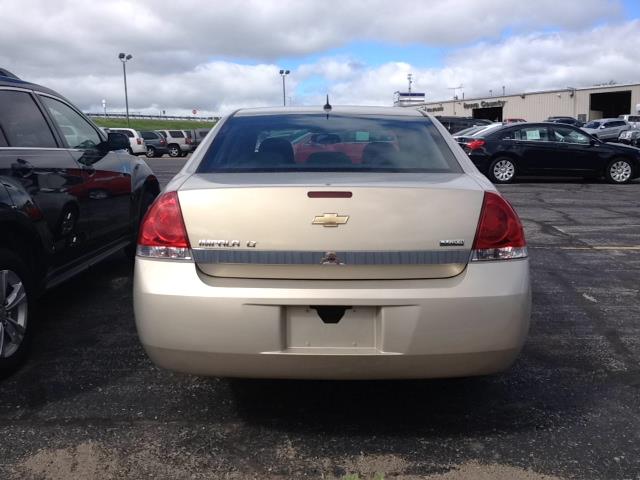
x=327, y=107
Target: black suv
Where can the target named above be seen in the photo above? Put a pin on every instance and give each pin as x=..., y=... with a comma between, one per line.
x=156, y=144
x=70, y=196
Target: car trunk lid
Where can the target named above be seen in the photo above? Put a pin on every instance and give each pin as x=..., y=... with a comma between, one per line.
x=331, y=226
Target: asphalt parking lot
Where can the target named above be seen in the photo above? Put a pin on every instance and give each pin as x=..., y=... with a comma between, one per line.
x=89, y=404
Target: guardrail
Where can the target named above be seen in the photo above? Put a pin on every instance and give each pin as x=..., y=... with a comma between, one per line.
x=153, y=117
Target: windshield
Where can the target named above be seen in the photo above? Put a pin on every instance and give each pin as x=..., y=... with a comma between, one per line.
x=334, y=143
x=592, y=125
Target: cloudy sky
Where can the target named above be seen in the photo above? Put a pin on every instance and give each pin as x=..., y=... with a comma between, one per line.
x=218, y=55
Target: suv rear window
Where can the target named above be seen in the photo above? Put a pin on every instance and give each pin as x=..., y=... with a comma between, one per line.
x=149, y=135
x=339, y=143
x=128, y=133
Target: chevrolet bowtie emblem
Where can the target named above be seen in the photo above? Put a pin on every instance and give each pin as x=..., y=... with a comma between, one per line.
x=330, y=220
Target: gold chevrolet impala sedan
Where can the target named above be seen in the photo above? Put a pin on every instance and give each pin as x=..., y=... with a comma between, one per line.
x=332, y=243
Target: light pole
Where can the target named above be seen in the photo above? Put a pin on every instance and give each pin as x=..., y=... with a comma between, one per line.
x=104, y=107
x=283, y=74
x=124, y=58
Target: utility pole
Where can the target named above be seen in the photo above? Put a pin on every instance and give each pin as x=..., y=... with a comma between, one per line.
x=410, y=78
x=455, y=97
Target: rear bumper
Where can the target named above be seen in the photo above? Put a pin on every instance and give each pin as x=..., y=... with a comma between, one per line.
x=472, y=324
x=138, y=149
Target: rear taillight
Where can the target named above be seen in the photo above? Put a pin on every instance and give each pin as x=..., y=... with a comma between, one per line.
x=162, y=233
x=500, y=235
x=139, y=141
x=476, y=144
x=163, y=141
x=188, y=141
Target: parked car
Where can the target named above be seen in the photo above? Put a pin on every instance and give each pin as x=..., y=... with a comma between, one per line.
x=630, y=137
x=455, y=124
x=70, y=195
x=606, y=128
x=464, y=136
x=156, y=144
x=503, y=154
x=328, y=268
x=137, y=145
x=566, y=121
x=197, y=135
x=178, y=143
x=632, y=120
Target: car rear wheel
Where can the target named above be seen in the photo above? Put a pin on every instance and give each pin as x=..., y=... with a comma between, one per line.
x=151, y=152
x=619, y=170
x=15, y=311
x=502, y=170
x=174, y=151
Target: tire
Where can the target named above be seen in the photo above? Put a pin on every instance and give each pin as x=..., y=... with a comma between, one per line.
x=174, y=151
x=151, y=152
x=145, y=202
x=16, y=323
x=502, y=170
x=619, y=171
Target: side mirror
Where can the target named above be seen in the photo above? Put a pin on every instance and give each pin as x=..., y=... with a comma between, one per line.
x=602, y=126
x=117, y=141
x=593, y=141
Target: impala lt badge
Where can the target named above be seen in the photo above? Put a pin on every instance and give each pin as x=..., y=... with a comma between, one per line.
x=225, y=243
x=452, y=243
x=330, y=220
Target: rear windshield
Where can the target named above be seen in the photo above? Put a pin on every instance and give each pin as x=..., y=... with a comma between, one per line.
x=337, y=143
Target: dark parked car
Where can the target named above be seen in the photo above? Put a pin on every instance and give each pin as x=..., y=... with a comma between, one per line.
x=156, y=144
x=455, y=124
x=70, y=195
x=511, y=151
x=566, y=121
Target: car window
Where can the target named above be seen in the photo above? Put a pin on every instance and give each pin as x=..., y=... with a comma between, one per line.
x=592, y=125
x=149, y=135
x=204, y=134
x=569, y=135
x=79, y=133
x=294, y=143
x=176, y=133
x=619, y=124
x=634, y=118
x=128, y=133
x=528, y=134
x=22, y=123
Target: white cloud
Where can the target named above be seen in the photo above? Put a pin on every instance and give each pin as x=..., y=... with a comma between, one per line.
x=186, y=54
x=520, y=63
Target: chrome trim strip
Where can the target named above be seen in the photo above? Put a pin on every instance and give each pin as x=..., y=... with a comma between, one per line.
x=370, y=257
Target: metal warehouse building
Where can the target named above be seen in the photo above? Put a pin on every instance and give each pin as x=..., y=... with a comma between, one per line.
x=582, y=103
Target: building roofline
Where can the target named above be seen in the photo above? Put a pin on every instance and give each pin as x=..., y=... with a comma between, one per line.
x=536, y=92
